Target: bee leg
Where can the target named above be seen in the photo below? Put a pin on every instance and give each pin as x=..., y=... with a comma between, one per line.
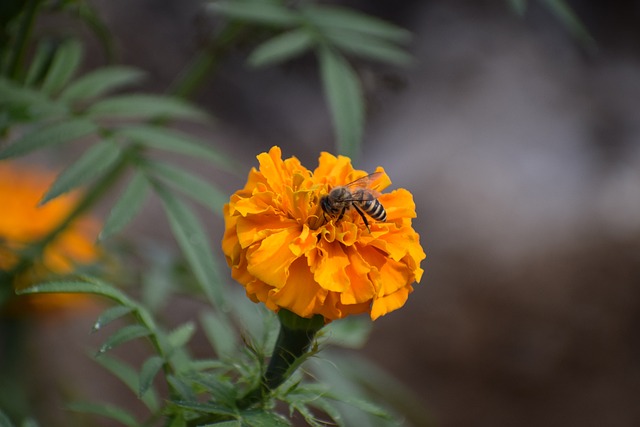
x=341, y=214
x=364, y=218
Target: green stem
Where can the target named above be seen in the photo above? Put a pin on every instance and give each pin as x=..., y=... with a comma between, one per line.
x=294, y=340
x=205, y=61
x=20, y=48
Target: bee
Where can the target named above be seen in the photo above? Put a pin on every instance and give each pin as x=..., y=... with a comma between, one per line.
x=357, y=195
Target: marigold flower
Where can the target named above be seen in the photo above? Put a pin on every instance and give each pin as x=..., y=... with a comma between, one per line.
x=288, y=253
x=23, y=222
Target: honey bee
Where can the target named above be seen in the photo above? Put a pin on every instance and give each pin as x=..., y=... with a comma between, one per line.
x=357, y=195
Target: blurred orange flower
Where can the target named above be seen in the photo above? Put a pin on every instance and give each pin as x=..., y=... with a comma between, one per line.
x=288, y=253
x=23, y=222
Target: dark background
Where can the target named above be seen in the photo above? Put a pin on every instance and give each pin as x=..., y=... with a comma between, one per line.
x=521, y=147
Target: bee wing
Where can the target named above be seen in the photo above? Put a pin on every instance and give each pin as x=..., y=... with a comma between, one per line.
x=361, y=187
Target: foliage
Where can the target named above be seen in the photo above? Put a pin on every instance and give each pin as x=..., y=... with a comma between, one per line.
x=48, y=105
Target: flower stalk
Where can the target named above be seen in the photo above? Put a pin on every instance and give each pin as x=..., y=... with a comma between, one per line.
x=294, y=340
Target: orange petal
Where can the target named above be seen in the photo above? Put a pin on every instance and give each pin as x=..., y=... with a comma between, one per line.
x=330, y=271
x=270, y=259
x=301, y=294
x=388, y=303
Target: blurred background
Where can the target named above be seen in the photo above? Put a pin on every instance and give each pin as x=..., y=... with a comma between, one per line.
x=521, y=146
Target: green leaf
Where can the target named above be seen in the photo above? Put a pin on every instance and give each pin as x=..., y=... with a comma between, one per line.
x=105, y=410
x=49, y=135
x=29, y=422
x=341, y=18
x=220, y=333
x=280, y=48
x=143, y=106
x=182, y=388
x=368, y=47
x=76, y=286
x=193, y=241
x=101, y=81
x=260, y=12
x=149, y=370
x=191, y=185
x=110, y=315
x=328, y=408
x=129, y=377
x=180, y=336
x=350, y=332
x=225, y=391
x=4, y=420
x=64, y=65
x=255, y=418
x=124, y=335
x=232, y=423
x=206, y=408
x=98, y=159
x=127, y=206
x=42, y=57
x=343, y=92
x=177, y=142
x=308, y=416
x=572, y=22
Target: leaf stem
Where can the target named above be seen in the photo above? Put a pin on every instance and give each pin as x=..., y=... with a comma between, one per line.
x=205, y=61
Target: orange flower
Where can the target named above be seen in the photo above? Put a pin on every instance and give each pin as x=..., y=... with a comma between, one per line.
x=22, y=222
x=288, y=253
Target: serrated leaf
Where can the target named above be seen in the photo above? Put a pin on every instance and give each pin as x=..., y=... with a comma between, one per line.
x=193, y=241
x=144, y=106
x=344, y=95
x=100, y=82
x=110, y=315
x=105, y=410
x=128, y=333
x=127, y=206
x=149, y=370
x=220, y=333
x=256, y=11
x=347, y=19
x=64, y=65
x=129, y=377
x=191, y=185
x=368, y=47
x=182, y=334
x=350, y=332
x=49, y=135
x=93, y=163
x=280, y=48
x=170, y=140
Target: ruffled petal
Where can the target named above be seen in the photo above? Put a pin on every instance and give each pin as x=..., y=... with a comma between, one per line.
x=389, y=303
